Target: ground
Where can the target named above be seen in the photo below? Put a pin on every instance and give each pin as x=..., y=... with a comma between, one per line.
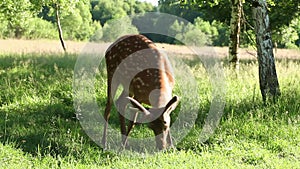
x=39, y=129
x=48, y=46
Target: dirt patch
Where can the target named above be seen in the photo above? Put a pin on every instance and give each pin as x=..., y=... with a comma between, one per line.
x=51, y=46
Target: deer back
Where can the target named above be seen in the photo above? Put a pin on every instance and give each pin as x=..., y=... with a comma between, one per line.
x=141, y=68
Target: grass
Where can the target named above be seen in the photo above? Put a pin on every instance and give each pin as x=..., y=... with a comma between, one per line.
x=38, y=127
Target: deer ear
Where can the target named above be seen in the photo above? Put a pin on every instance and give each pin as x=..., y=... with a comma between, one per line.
x=171, y=105
x=138, y=105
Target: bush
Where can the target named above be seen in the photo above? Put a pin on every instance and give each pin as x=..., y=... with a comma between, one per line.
x=196, y=37
x=189, y=34
x=210, y=31
x=288, y=36
x=98, y=34
x=222, y=37
x=40, y=29
x=113, y=29
x=247, y=38
x=78, y=25
x=4, y=31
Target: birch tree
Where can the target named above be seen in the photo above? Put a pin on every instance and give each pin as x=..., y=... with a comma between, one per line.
x=56, y=6
x=269, y=85
x=60, y=32
x=235, y=29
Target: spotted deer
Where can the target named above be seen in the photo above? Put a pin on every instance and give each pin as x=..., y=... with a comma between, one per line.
x=146, y=75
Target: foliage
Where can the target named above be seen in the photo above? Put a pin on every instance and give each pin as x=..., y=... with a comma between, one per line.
x=15, y=16
x=281, y=15
x=210, y=31
x=222, y=37
x=288, y=36
x=142, y=7
x=98, y=34
x=185, y=11
x=195, y=37
x=38, y=128
x=248, y=38
x=296, y=25
x=104, y=10
x=40, y=29
x=188, y=34
x=5, y=32
x=107, y=9
x=80, y=19
x=200, y=33
x=208, y=10
x=282, y=12
x=113, y=29
x=78, y=24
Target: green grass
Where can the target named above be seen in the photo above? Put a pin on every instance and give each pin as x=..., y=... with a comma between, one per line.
x=38, y=128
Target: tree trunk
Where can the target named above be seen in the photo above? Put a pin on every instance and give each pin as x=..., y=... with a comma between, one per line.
x=235, y=29
x=60, y=33
x=269, y=85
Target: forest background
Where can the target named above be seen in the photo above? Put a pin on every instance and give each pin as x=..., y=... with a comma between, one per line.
x=92, y=20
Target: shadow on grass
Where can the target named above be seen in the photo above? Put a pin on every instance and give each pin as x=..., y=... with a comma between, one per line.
x=37, y=113
x=45, y=129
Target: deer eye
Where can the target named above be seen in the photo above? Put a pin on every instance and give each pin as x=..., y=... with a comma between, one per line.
x=164, y=122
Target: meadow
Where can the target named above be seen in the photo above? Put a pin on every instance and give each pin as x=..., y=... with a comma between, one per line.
x=39, y=129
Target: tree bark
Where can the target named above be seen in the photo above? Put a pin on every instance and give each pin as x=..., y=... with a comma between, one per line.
x=60, y=33
x=269, y=85
x=235, y=29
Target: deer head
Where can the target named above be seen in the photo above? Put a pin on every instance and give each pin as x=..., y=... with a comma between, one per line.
x=160, y=120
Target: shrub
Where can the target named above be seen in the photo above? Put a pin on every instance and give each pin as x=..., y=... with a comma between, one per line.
x=77, y=24
x=222, y=37
x=40, y=29
x=113, y=29
x=210, y=31
x=196, y=37
x=288, y=36
x=189, y=34
x=4, y=31
x=98, y=34
x=247, y=38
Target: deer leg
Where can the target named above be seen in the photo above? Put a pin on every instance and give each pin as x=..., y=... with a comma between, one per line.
x=169, y=139
x=123, y=126
x=106, y=117
x=121, y=105
x=110, y=95
x=130, y=126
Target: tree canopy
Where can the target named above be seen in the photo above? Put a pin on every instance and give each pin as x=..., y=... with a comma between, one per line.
x=90, y=19
x=283, y=14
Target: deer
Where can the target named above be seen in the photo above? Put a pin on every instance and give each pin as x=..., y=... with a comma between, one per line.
x=137, y=64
